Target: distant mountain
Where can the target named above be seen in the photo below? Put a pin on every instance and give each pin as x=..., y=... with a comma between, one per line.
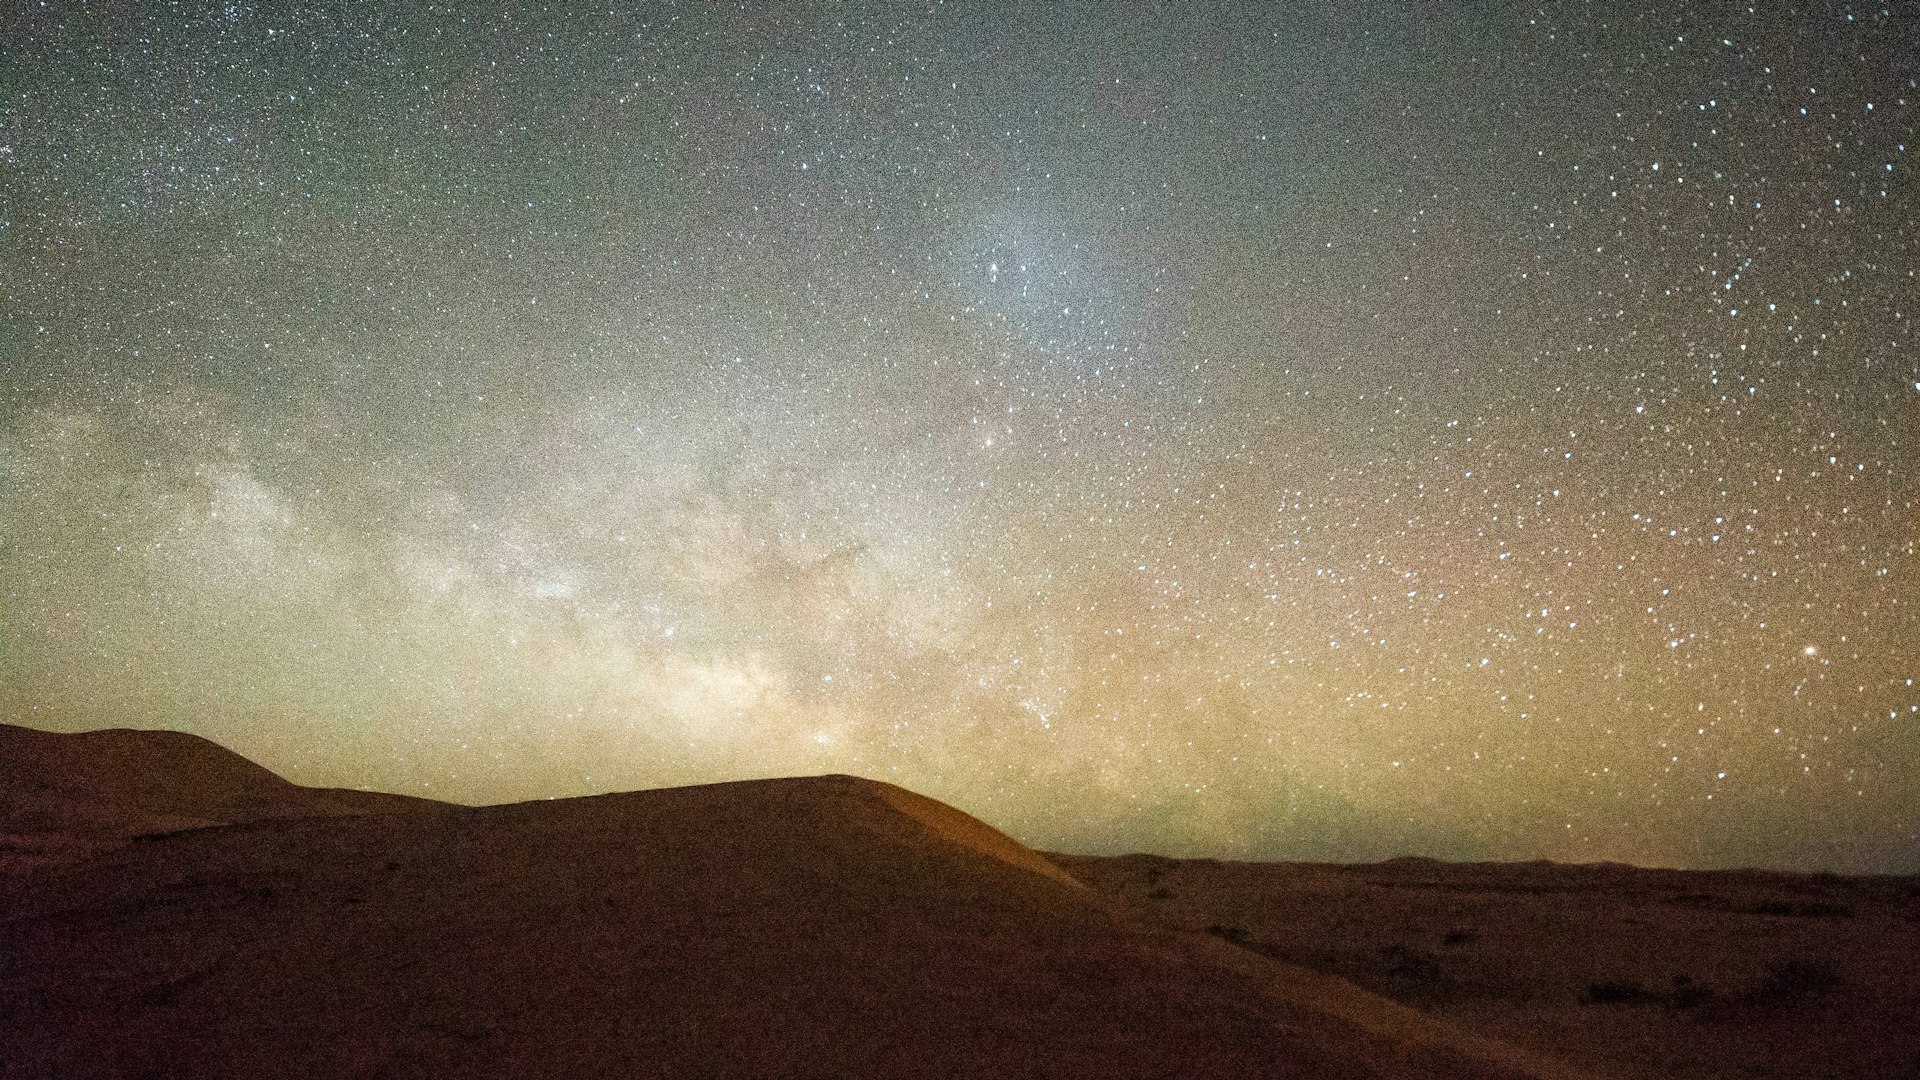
x=814, y=927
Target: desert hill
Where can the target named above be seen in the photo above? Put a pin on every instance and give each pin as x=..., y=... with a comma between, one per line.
x=826, y=926
x=208, y=918
x=63, y=796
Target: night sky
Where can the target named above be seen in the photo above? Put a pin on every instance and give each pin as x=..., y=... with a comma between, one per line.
x=1269, y=431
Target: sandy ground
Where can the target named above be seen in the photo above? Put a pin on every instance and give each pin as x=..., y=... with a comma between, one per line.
x=169, y=909
x=1627, y=971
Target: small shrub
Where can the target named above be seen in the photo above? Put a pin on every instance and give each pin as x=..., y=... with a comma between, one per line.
x=1616, y=992
x=1236, y=934
x=1687, y=993
x=1411, y=965
x=1802, y=909
x=1792, y=978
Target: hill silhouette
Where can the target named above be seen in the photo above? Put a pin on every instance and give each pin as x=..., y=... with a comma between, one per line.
x=824, y=926
x=65, y=796
x=169, y=908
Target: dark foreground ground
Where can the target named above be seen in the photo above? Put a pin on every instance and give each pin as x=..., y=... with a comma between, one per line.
x=1625, y=971
x=170, y=909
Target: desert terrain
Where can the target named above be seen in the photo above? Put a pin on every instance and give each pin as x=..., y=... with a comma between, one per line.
x=1628, y=972
x=168, y=908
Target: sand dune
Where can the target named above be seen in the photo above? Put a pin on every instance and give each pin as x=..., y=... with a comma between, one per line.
x=811, y=927
x=63, y=797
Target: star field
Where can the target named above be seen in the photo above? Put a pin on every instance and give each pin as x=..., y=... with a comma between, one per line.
x=1330, y=433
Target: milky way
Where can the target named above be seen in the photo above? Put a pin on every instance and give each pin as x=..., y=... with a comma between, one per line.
x=1332, y=432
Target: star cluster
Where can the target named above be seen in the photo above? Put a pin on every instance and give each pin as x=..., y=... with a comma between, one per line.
x=1276, y=431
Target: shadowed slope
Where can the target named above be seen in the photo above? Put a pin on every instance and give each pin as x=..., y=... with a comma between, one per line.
x=827, y=926
x=968, y=831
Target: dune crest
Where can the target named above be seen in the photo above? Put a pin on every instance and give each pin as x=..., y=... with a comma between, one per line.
x=959, y=827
